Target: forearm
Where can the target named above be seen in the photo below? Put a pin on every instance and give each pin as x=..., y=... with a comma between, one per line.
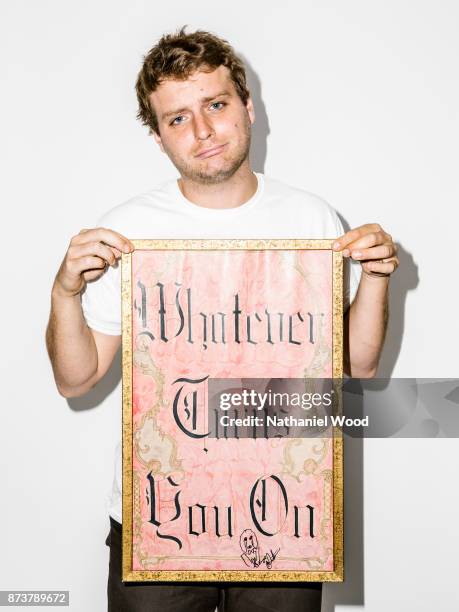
x=365, y=326
x=70, y=345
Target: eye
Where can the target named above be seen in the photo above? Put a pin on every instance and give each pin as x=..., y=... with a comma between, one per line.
x=217, y=105
x=178, y=120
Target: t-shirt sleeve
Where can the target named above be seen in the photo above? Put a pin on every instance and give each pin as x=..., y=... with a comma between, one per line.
x=352, y=271
x=101, y=298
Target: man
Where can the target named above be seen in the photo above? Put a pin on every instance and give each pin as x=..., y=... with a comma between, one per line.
x=193, y=96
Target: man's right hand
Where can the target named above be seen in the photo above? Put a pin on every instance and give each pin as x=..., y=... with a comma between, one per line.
x=89, y=253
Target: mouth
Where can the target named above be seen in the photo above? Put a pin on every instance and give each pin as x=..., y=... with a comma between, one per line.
x=211, y=152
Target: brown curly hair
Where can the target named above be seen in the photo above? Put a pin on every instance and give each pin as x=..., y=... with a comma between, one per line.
x=178, y=55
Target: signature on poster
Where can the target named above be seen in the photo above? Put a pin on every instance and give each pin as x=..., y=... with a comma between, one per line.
x=251, y=551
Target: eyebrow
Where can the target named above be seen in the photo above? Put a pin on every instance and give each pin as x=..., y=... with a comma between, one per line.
x=203, y=101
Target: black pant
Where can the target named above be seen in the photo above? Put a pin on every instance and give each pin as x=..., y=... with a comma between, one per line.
x=203, y=597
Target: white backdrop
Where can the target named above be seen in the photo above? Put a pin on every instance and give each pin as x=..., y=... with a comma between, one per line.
x=358, y=102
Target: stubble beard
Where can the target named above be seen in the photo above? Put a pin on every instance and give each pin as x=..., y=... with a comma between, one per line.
x=196, y=175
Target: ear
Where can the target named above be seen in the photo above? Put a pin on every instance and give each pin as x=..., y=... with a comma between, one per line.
x=158, y=140
x=250, y=110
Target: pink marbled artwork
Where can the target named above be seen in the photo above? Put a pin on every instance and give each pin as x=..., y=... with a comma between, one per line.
x=216, y=504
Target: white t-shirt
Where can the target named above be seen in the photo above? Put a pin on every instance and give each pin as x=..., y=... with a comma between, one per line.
x=275, y=210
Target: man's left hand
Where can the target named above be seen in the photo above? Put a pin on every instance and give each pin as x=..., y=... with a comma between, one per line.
x=372, y=246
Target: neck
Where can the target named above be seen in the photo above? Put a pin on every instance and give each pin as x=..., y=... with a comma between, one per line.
x=230, y=193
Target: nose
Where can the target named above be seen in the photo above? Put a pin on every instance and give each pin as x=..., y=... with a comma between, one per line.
x=203, y=127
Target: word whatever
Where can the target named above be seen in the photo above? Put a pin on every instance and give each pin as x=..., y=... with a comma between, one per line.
x=234, y=325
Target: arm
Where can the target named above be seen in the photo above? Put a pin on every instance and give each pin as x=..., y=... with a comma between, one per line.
x=80, y=356
x=365, y=322
x=365, y=325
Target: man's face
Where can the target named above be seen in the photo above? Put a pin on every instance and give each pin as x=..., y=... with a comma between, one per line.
x=204, y=127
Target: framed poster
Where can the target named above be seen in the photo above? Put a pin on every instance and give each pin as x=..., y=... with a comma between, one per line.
x=199, y=504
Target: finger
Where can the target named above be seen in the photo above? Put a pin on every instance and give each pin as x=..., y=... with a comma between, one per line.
x=76, y=267
x=380, y=267
x=383, y=251
x=102, y=234
x=352, y=235
x=92, y=248
x=116, y=252
x=371, y=239
x=92, y=274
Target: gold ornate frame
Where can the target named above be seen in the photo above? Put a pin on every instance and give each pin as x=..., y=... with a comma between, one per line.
x=128, y=575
